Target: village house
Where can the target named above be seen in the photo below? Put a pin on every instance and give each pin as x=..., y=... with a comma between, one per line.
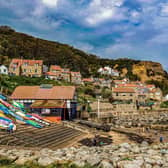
x=58, y=73
x=143, y=93
x=156, y=94
x=124, y=94
x=108, y=71
x=66, y=74
x=47, y=100
x=76, y=78
x=117, y=82
x=45, y=69
x=3, y=70
x=87, y=80
x=22, y=67
x=54, y=73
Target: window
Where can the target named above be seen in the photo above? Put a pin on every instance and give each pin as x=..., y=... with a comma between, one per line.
x=36, y=65
x=24, y=70
x=116, y=94
x=131, y=94
x=35, y=71
x=25, y=64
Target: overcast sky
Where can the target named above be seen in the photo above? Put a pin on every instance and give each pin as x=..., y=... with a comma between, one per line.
x=135, y=29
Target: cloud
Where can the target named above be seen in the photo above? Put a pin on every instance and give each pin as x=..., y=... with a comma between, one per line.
x=50, y=3
x=100, y=11
x=109, y=28
x=84, y=46
x=164, y=9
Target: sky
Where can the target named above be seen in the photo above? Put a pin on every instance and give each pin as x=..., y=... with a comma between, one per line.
x=136, y=29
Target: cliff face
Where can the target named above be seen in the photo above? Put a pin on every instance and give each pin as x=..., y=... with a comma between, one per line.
x=147, y=70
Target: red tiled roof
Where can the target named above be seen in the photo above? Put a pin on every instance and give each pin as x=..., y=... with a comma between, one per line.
x=37, y=93
x=128, y=85
x=150, y=86
x=118, y=81
x=75, y=72
x=101, y=79
x=123, y=90
x=51, y=73
x=55, y=67
x=87, y=80
x=29, y=62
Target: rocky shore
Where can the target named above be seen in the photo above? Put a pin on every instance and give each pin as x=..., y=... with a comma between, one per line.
x=150, y=119
x=111, y=156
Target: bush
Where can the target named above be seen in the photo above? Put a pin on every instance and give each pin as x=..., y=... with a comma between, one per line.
x=164, y=104
x=106, y=93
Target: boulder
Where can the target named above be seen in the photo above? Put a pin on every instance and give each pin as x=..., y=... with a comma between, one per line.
x=22, y=160
x=105, y=164
x=79, y=163
x=45, y=161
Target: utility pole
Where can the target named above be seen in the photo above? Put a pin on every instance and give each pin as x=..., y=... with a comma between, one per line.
x=98, y=107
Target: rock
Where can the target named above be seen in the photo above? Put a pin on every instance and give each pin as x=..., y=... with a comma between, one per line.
x=93, y=160
x=126, y=164
x=152, y=152
x=12, y=157
x=45, y=161
x=125, y=145
x=144, y=143
x=148, y=165
x=105, y=164
x=138, y=163
x=135, y=150
x=22, y=160
x=79, y=163
x=121, y=156
x=122, y=151
x=149, y=160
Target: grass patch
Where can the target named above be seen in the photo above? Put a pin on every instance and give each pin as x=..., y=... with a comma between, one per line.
x=6, y=163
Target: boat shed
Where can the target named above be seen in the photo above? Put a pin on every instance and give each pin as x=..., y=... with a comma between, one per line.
x=48, y=100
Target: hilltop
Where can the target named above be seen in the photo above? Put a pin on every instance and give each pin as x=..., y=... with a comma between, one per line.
x=15, y=45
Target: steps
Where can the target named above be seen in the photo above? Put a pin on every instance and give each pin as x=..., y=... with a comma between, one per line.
x=53, y=136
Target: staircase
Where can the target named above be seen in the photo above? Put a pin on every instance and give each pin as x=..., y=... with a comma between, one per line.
x=53, y=136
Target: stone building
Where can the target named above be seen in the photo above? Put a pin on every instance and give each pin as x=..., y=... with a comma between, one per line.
x=124, y=94
x=54, y=73
x=66, y=74
x=22, y=67
x=76, y=78
x=156, y=94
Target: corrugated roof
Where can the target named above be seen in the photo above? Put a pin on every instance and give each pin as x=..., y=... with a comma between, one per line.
x=37, y=93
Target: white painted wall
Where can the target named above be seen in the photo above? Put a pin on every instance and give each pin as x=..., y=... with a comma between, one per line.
x=3, y=70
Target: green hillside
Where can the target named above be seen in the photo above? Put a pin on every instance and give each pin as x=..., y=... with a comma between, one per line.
x=16, y=45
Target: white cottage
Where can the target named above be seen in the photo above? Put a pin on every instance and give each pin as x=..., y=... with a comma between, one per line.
x=3, y=70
